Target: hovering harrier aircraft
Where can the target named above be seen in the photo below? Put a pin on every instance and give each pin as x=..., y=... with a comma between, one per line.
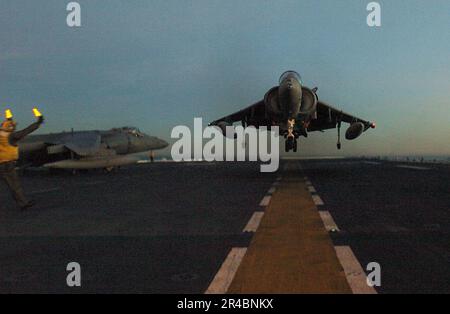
x=296, y=110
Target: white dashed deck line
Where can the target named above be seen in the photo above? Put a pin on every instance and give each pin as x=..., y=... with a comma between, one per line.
x=328, y=221
x=356, y=277
x=265, y=201
x=311, y=189
x=317, y=200
x=254, y=222
x=227, y=271
x=272, y=190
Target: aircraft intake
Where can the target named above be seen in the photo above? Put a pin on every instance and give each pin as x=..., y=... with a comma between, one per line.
x=309, y=101
x=354, y=130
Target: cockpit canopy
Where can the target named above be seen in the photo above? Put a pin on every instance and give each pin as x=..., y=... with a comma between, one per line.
x=290, y=74
x=130, y=130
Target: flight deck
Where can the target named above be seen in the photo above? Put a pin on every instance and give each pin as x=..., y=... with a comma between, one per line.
x=224, y=227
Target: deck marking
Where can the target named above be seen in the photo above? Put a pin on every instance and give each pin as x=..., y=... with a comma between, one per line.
x=372, y=162
x=45, y=191
x=226, y=273
x=308, y=182
x=254, y=222
x=290, y=252
x=413, y=167
x=272, y=190
x=311, y=189
x=90, y=183
x=291, y=158
x=328, y=221
x=317, y=200
x=265, y=201
x=356, y=277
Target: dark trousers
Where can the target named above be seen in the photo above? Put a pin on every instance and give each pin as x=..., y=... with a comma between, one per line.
x=9, y=175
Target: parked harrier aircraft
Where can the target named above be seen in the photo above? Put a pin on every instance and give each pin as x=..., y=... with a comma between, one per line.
x=88, y=149
x=296, y=109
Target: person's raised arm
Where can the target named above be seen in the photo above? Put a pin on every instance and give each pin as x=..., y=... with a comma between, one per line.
x=19, y=135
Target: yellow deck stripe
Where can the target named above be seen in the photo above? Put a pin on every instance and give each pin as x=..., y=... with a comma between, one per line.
x=291, y=252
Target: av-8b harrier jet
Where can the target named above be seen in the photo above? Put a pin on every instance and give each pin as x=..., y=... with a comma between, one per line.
x=296, y=110
x=88, y=149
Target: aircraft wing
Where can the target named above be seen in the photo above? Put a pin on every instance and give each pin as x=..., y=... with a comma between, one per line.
x=328, y=117
x=81, y=143
x=249, y=115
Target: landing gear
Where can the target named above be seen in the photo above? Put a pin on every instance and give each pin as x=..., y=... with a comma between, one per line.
x=291, y=137
x=108, y=169
x=338, y=144
x=152, y=156
x=290, y=144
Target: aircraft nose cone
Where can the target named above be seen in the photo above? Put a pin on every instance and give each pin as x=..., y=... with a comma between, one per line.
x=163, y=143
x=154, y=142
x=160, y=143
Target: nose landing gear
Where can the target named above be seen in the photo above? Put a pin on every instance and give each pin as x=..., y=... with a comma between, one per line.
x=291, y=138
x=291, y=144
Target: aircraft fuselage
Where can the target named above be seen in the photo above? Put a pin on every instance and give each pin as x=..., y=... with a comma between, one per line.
x=115, y=147
x=290, y=97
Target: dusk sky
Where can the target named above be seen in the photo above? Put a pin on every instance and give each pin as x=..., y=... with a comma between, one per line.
x=158, y=64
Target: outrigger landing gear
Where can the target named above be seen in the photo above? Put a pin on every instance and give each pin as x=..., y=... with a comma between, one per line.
x=338, y=144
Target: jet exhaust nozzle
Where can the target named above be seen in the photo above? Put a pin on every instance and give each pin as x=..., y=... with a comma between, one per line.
x=354, y=130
